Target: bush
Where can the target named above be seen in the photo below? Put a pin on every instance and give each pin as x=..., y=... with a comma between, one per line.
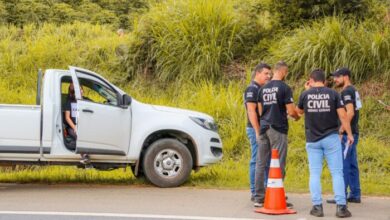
x=113, y=12
x=293, y=13
x=188, y=39
x=333, y=43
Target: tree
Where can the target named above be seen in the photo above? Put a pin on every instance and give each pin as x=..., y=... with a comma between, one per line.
x=30, y=11
x=3, y=13
x=62, y=13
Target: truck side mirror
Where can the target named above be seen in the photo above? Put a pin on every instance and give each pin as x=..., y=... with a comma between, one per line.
x=126, y=101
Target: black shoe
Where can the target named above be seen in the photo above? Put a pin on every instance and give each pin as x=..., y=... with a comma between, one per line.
x=331, y=201
x=289, y=205
x=252, y=198
x=342, y=211
x=258, y=203
x=317, y=211
x=354, y=200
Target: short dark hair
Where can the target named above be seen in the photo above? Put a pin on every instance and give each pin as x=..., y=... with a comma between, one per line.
x=318, y=75
x=280, y=64
x=259, y=67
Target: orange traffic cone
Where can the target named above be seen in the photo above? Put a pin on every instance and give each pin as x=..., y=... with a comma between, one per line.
x=275, y=199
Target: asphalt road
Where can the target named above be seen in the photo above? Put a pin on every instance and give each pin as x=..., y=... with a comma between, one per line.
x=103, y=202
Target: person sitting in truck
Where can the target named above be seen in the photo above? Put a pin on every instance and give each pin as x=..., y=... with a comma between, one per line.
x=71, y=116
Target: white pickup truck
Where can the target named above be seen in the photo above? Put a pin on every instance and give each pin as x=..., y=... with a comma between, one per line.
x=164, y=144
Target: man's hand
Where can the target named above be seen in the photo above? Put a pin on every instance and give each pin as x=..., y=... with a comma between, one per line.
x=341, y=132
x=307, y=85
x=350, y=140
x=257, y=139
x=292, y=112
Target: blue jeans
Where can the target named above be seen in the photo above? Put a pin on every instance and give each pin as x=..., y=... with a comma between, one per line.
x=351, y=169
x=251, y=133
x=330, y=148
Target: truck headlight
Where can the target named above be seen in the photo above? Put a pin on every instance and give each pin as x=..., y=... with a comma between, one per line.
x=205, y=123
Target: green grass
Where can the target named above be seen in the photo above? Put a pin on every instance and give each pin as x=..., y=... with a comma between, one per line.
x=65, y=174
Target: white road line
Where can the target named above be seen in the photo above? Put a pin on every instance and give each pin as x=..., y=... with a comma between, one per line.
x=123, y=215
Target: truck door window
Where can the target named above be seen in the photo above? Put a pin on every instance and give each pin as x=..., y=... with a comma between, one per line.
x=98, y=93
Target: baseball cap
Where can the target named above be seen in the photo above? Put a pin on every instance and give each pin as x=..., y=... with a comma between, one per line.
x=343, y=71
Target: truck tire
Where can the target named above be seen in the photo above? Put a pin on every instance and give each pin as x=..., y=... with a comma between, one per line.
x=167, y=163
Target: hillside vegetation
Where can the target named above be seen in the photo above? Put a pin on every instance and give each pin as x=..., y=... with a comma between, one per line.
x=199, y=55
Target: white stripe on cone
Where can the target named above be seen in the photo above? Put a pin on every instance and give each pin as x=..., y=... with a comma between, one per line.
x=275, y=183
x=274, y=163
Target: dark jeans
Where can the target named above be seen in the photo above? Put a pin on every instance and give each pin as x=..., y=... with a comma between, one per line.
x=269, y=140
x=351, y=169
x=72, y=133
x=252, y=164
x=70, y=140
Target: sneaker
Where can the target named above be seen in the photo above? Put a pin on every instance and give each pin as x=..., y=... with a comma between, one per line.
x=252, y=198
x=317, y=211
x=342, y=211
x=331, y=201
x=354, y=200
x=84, y=159
x=289, y=205
x=258, y=204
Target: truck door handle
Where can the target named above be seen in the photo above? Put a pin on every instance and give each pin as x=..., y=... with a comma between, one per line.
x=87, y=110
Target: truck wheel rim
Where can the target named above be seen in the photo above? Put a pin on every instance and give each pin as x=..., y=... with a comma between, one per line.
x=168, y=163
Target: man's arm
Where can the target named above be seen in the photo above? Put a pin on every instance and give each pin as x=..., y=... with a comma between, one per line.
x=299, y=111
x=289, y=102
x=345, y=124
x=350, y=113
x=252, y=115
x=69, y=121
x=291, y=111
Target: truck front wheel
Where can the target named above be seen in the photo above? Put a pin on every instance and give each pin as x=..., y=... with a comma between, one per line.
x=167, y=163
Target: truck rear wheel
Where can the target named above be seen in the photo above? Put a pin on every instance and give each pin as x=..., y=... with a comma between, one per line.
x=167, y=163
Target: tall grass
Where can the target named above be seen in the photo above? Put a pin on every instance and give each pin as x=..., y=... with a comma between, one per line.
x=332, y=43
x=190, y=40
x=24, y=51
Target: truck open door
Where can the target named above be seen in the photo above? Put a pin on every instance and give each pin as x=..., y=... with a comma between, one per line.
x=103, y=123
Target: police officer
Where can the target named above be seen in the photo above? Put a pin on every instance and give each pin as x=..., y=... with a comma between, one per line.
x=323, y=108
x=275, y=103
x=260, y=76
x=351, y=99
